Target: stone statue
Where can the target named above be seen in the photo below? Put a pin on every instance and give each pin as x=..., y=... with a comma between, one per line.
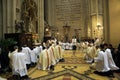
x=19, y=26
x=29, y=15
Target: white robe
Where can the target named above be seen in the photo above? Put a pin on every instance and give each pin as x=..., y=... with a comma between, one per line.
x=43, y=62
x=19, y=64
x=10, y=55
x=37, y=52
x=84, y=47
x=110, y=60
x=102, y=62
x=74, y=41
x=93, y=66
x=26, y=51
x=2, y=78
x=67, y=45
x=70, y=46
x=90, y=54
x=59, y=52
x=88, y=51
x=52, y=56
x=33, y=56
x=97, y=51
x=97, y=42
x=54, y=52
x=63, y=45
x=41, y=48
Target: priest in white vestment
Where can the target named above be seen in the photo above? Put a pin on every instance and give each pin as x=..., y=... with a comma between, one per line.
x=71, y=46
x=102, y=65
x=19, y=64
x=84, y=46
x=93, y=66
x=90, y=54
x=67, y=46
x=59, y=51
x=41, y=48
x=63, y=45
x=74, y=45
x=55, y=52
x=97, y=42
x=10, y=55
x=27, y=56
x=37, y=50
x=43, y=62
x=52, y=55
x=33, y=56
x=111, y=62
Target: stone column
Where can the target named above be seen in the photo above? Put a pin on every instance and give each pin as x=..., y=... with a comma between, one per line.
x=85, y=4
x=51, y=11
x=97, y=18
x=40, y=19
x=4, y=16
x=89, y=22
x=1, y=20
x=106, y=23
x=93, y=14
x=14, y=6
x=9, y=15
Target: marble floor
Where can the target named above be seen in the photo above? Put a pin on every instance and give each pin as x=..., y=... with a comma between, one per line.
x=75, y=69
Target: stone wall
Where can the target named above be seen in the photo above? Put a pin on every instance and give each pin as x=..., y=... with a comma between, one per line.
x=73, y=13
x=114, y=22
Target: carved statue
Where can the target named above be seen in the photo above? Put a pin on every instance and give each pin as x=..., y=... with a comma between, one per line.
x=29, y=15
x=19, y=26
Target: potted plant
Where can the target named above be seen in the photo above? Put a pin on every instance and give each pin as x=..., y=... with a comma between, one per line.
x=6, y=46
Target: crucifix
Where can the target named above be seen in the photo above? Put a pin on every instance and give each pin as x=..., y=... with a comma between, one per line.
x=66, y=32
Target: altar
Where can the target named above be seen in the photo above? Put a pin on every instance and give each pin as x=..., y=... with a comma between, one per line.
x=28, y=39
x=66, y=30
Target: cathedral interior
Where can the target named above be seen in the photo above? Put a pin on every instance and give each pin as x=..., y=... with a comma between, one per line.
x=35, y=21
x=62, y=19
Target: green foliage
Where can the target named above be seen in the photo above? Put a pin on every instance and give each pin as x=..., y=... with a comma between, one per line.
x=6, y=43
